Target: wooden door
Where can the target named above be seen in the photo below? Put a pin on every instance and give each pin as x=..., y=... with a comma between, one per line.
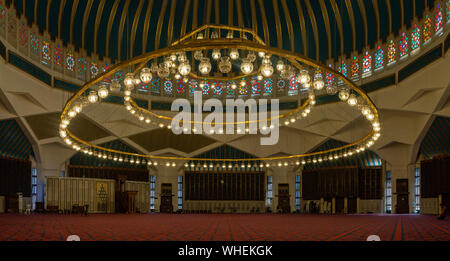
x=166, y=198
x=402, y=206
x=284, y=205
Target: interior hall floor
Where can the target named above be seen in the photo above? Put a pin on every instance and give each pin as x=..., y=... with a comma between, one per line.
x=222, y=227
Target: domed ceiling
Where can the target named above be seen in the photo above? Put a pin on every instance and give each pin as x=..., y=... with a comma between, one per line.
x=320, y=29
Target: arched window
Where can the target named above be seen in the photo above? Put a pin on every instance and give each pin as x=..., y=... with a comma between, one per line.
x=426, y=29
x=367, y=65
x=391, y=53
x=403, y=45
x=438, y=18
x=355, y=68
x=415, y=38
x=379, y=58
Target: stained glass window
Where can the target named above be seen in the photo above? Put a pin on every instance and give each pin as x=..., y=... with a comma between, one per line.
x=168, y=87
x=156, y=84
x=119, y=75
x=355, y=68
x=230, y=91
x=330, y=77
x=438, y=18
x=268, y=86
x=205, y=89
x=143, y=87
x=46, y=55
x=379, y=58
x=427, y=29
x=82, y=67
x=343, y=68
x=192, y=87
x=281, y=85
x=70, y=61
x=181, y=87
x=23, y=35
x=2, y=15
x=403, y=45
x=367, y=65
x=256, y=87
x=34, y=44
x=243, y=89
x=448, y=11
x=391, y=53
x=415, y=38
x=218, y=88
x=293, y=85
x=94, y=70
x=105, y=68
x=58, y=55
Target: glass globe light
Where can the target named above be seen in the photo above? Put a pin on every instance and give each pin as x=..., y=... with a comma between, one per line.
x=365, y=111
x=318, y=82
x=280, y=66
x=198, y=55
x=182, y=58
x=234, y=54
x=216, y=54
x=93, y=98
x=137, y=81
x=251, y=56
x=246, y=66
x=261, y=54
x=184, y=68
x=352, y=101
x=304, y=77
x=225, y=65
x=78, y=107
x=154, y=68
x=103, y=92
x=266, y=70
x=173, y=57
x=163, y=72
x=115, y=85
x=331, y=90
x=84, y=100
x=370, y=116
x=205, y=66
x=146, y=75
x=129, y=80
x=72, y=114
x=344, y=94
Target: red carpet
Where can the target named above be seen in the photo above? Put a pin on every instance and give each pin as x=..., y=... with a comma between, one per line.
x=233, y=227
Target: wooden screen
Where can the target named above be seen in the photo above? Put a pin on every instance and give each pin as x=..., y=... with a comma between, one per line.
x=15, y=176
x=434, y=177
x=224, y=186
x=342, y=182
x=107, y=173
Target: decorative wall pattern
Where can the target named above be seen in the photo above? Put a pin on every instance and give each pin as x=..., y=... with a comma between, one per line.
x=66, y=192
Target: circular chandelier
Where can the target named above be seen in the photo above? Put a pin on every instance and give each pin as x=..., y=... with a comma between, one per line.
x=206, y=60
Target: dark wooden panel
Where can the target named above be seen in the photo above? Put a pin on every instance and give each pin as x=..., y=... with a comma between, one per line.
x=342, y=182
x=15, y=176
x=224, y=186
x=107, y=173
x=435, y=178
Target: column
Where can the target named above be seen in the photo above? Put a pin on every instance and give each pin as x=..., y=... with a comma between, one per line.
x=345, y=205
